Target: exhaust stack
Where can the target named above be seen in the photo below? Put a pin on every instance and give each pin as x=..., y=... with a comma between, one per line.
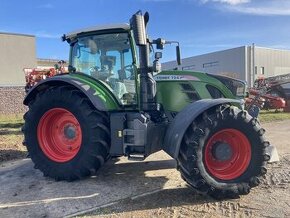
x=138, y=24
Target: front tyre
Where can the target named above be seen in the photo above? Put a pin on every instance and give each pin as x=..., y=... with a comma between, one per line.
x=66, y=137
x=223, y=153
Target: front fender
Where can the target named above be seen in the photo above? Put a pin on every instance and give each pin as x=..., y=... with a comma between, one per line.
x=100, y=96
x=184, y=118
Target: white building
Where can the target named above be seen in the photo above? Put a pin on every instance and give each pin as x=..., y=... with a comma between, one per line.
x=17, y=51
x=246, y=63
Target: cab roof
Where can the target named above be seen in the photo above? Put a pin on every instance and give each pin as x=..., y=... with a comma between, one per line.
x=123, y=26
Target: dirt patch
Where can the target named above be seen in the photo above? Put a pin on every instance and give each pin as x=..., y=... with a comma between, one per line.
x=264, y=201
x=278, y=177
x=270, y=199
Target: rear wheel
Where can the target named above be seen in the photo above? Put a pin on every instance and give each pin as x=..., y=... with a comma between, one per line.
x=223, y=153
x=66, y=137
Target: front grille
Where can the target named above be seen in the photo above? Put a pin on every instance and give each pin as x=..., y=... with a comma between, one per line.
x=190, y=91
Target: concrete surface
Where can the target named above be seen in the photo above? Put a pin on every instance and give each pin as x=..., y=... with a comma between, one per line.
x=26, y=193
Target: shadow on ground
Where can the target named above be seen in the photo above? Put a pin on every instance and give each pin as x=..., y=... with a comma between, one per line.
x=10, y=154
x=10, y=132
x=11, y=125
x=10, y=128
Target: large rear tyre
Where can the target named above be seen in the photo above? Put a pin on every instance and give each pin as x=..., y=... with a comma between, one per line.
x=67, y=139
x=223, y=153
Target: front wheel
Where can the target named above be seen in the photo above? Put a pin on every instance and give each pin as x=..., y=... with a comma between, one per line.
x=66, y=137
x=223, y=153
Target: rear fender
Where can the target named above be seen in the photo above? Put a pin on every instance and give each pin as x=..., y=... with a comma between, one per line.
x=100, y=96
x=184, y=118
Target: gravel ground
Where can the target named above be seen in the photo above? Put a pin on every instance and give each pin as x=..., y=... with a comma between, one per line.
x=11, y=100
x=270, y=199
x=142, y=189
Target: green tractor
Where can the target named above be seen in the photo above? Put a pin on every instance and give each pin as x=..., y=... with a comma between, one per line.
x=114, y=102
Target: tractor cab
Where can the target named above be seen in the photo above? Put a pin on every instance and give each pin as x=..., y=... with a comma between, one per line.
x=121, y=57
x=107, y=54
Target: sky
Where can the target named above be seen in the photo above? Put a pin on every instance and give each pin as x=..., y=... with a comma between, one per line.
x=201, y=26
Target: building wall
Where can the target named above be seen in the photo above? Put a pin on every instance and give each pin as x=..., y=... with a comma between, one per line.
x=274, y=61
x=229, y=62
x=16, y=52
x=246, y=63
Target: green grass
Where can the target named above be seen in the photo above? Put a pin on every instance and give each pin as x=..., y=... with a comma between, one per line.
x=272, y=115
x=16, y=120
x=11, y=137
x=9, y=121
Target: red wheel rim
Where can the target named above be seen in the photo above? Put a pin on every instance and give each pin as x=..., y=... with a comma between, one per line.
x=59, y=135
x=233, y=144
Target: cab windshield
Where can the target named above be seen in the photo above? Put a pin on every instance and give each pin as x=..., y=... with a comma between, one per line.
x=108, y=58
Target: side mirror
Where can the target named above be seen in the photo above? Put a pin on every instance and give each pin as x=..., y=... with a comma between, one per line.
x=158, y=55
x=137, y=24
x=178, y=56
x=160, y=43
x=156, y=64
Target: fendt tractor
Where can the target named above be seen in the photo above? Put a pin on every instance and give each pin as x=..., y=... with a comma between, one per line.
x=116, y=102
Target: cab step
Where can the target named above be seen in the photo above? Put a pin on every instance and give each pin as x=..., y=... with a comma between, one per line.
x=136, y=157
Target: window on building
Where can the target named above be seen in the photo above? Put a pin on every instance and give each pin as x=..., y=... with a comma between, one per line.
x=256, y=70
x=190, y=67
x=214, y=92
x=210, y=64
x=262, y=70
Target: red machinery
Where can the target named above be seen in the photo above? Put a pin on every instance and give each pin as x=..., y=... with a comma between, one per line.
x=35, y=75
x=265, y=101
x=266, y=94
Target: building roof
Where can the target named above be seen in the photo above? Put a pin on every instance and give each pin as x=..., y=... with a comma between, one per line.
x=274, y=49
x=16, y=34
x=47, y=60
x=123, y=26
x=42, y=62
x=228, y=50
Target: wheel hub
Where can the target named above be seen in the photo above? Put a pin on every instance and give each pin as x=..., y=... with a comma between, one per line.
x=222, y=151
x=70, y=132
